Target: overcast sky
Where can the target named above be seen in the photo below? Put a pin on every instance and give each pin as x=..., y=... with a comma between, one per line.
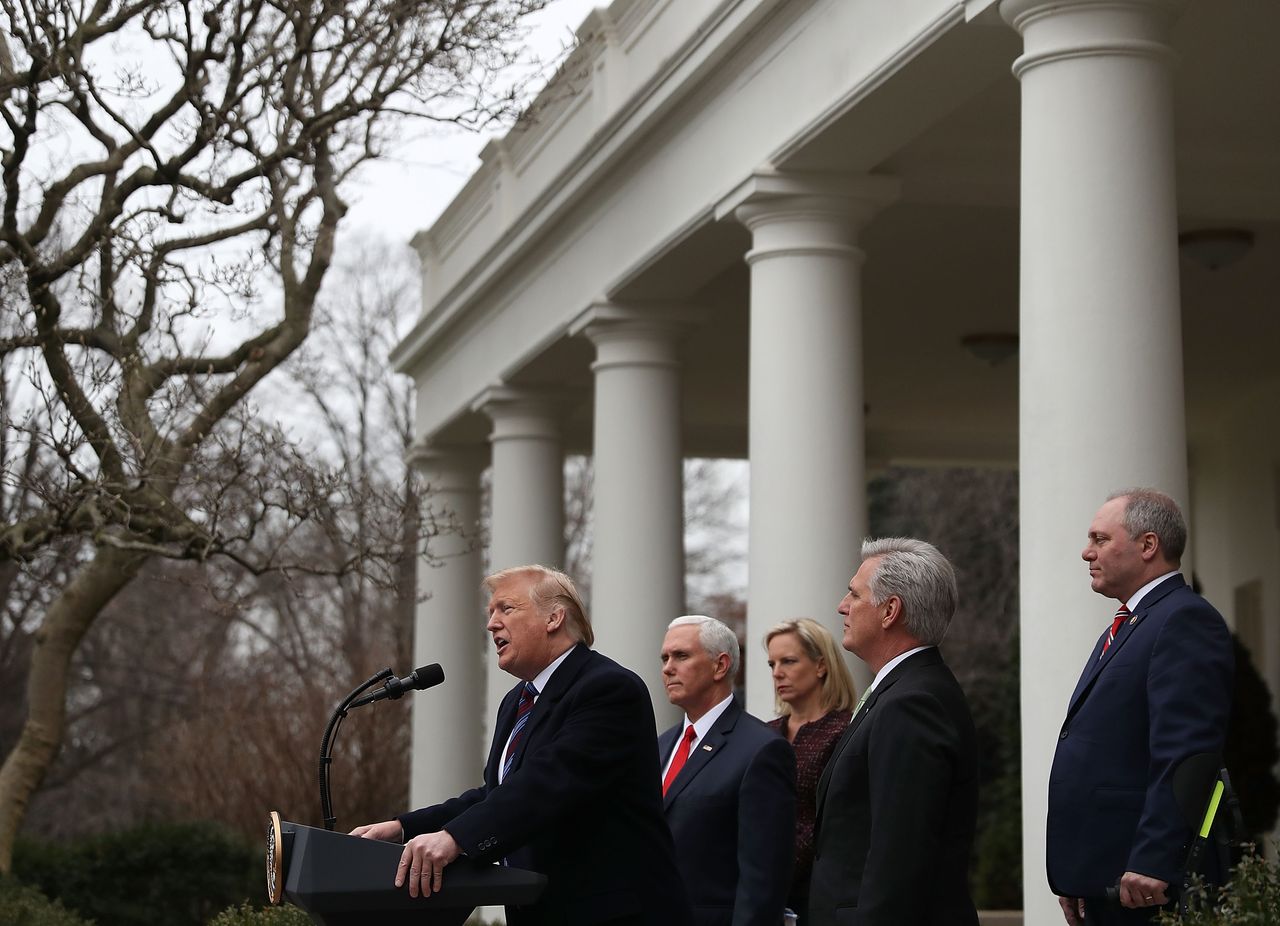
x=402, y=194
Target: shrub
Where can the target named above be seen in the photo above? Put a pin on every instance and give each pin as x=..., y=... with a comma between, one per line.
x=1251, y=751
x=995, y=878
x=248, y=915
x=287, y=915
x=1250, y=898
x=151, y=875
x=23, y=905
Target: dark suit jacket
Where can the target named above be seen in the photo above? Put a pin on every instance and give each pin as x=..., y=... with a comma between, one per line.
x=1160, y=693
x=898, y=806
x=582, y=803
x=732, y=812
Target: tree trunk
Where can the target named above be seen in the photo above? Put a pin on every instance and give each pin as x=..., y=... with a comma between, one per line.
x=64, y=626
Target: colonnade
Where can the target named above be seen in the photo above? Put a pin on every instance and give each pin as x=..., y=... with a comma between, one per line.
x=1100, y=324
x=1101, y=400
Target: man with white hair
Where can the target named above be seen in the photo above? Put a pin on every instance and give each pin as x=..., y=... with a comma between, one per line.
x=898, y=801
x=728, y=784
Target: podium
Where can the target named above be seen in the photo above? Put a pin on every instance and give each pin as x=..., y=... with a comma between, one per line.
x=342, y=880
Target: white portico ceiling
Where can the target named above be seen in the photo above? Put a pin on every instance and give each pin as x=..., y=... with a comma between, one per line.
x=941, y=263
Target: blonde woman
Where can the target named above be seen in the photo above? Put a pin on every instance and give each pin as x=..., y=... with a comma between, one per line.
x=814, y=698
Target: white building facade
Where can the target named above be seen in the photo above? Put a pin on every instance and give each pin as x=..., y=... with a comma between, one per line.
x=774, y=230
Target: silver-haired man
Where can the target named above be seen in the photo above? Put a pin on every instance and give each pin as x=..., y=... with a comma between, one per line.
x=898, y=802
x=729, y=784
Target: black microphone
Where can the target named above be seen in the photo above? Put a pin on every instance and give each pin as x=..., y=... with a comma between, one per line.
x=417, y=680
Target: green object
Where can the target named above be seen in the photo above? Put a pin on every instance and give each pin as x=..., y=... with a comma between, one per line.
x=171, y=874
x=23, y=905
x=1212, y=810
x=249, y=915
x=1250, y=898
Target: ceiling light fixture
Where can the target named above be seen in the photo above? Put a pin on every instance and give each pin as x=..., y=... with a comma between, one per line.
x=993, y=347
x=1215, y=248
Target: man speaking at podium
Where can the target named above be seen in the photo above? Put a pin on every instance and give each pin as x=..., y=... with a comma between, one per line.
x=571, y=786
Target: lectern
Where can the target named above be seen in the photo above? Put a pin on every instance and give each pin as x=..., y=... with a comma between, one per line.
x=341, y=880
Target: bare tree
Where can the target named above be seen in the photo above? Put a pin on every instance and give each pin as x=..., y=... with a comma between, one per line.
x=714, y=525
x=219, y=713
x=971, y=515
x=171, y=178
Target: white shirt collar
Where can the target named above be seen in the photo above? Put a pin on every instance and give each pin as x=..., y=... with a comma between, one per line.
x=540, y=685
x=540, y=680
x=1132, y=603
x=700, y=729
x=889, y=667
x=707, y=720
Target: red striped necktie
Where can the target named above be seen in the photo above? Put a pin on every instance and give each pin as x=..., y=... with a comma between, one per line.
x=1122, y=613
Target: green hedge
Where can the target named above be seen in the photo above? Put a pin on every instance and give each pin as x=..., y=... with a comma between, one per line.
x=23, y=905
x=249, y=915
x=152, y=875
x=1250, y=898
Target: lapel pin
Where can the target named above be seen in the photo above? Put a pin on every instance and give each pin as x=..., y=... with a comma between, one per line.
x=706, y=747
x=1133, y=620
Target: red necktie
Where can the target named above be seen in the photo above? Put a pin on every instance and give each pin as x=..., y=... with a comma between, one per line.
x=681, y=756
x=1121, y=614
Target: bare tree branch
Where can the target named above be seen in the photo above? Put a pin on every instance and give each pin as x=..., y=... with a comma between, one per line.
x=172, y=179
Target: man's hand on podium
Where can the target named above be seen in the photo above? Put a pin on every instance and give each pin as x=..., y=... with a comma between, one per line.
x=388, y=831
x=423, y=860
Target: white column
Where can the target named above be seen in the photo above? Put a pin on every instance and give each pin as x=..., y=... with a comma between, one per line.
x=637, y=575
x=808, y=507
x=449, y=629
x=526, y=516
x=1101, y=387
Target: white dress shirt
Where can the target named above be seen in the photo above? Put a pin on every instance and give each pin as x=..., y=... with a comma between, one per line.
x=700, y=730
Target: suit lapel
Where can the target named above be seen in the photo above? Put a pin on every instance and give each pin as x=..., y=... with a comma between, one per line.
x=559, y=683
x=923, y=658
x=704, y=751
x=1099, y=660
x=847, y=737
x=506, y=719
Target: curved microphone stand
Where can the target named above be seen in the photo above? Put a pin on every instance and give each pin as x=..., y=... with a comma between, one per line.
x=326, y=745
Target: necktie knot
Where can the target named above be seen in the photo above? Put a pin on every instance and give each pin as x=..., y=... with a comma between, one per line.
x=1122, y=613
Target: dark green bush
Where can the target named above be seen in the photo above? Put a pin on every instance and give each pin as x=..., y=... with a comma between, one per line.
x=249, y=915
x=995, y=877
x=286, y=915
x=1250, y=898
x=152, y=875
x=23, y=905
x=1251, y=750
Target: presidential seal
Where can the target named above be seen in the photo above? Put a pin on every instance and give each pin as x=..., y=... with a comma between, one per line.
x=275, y=859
